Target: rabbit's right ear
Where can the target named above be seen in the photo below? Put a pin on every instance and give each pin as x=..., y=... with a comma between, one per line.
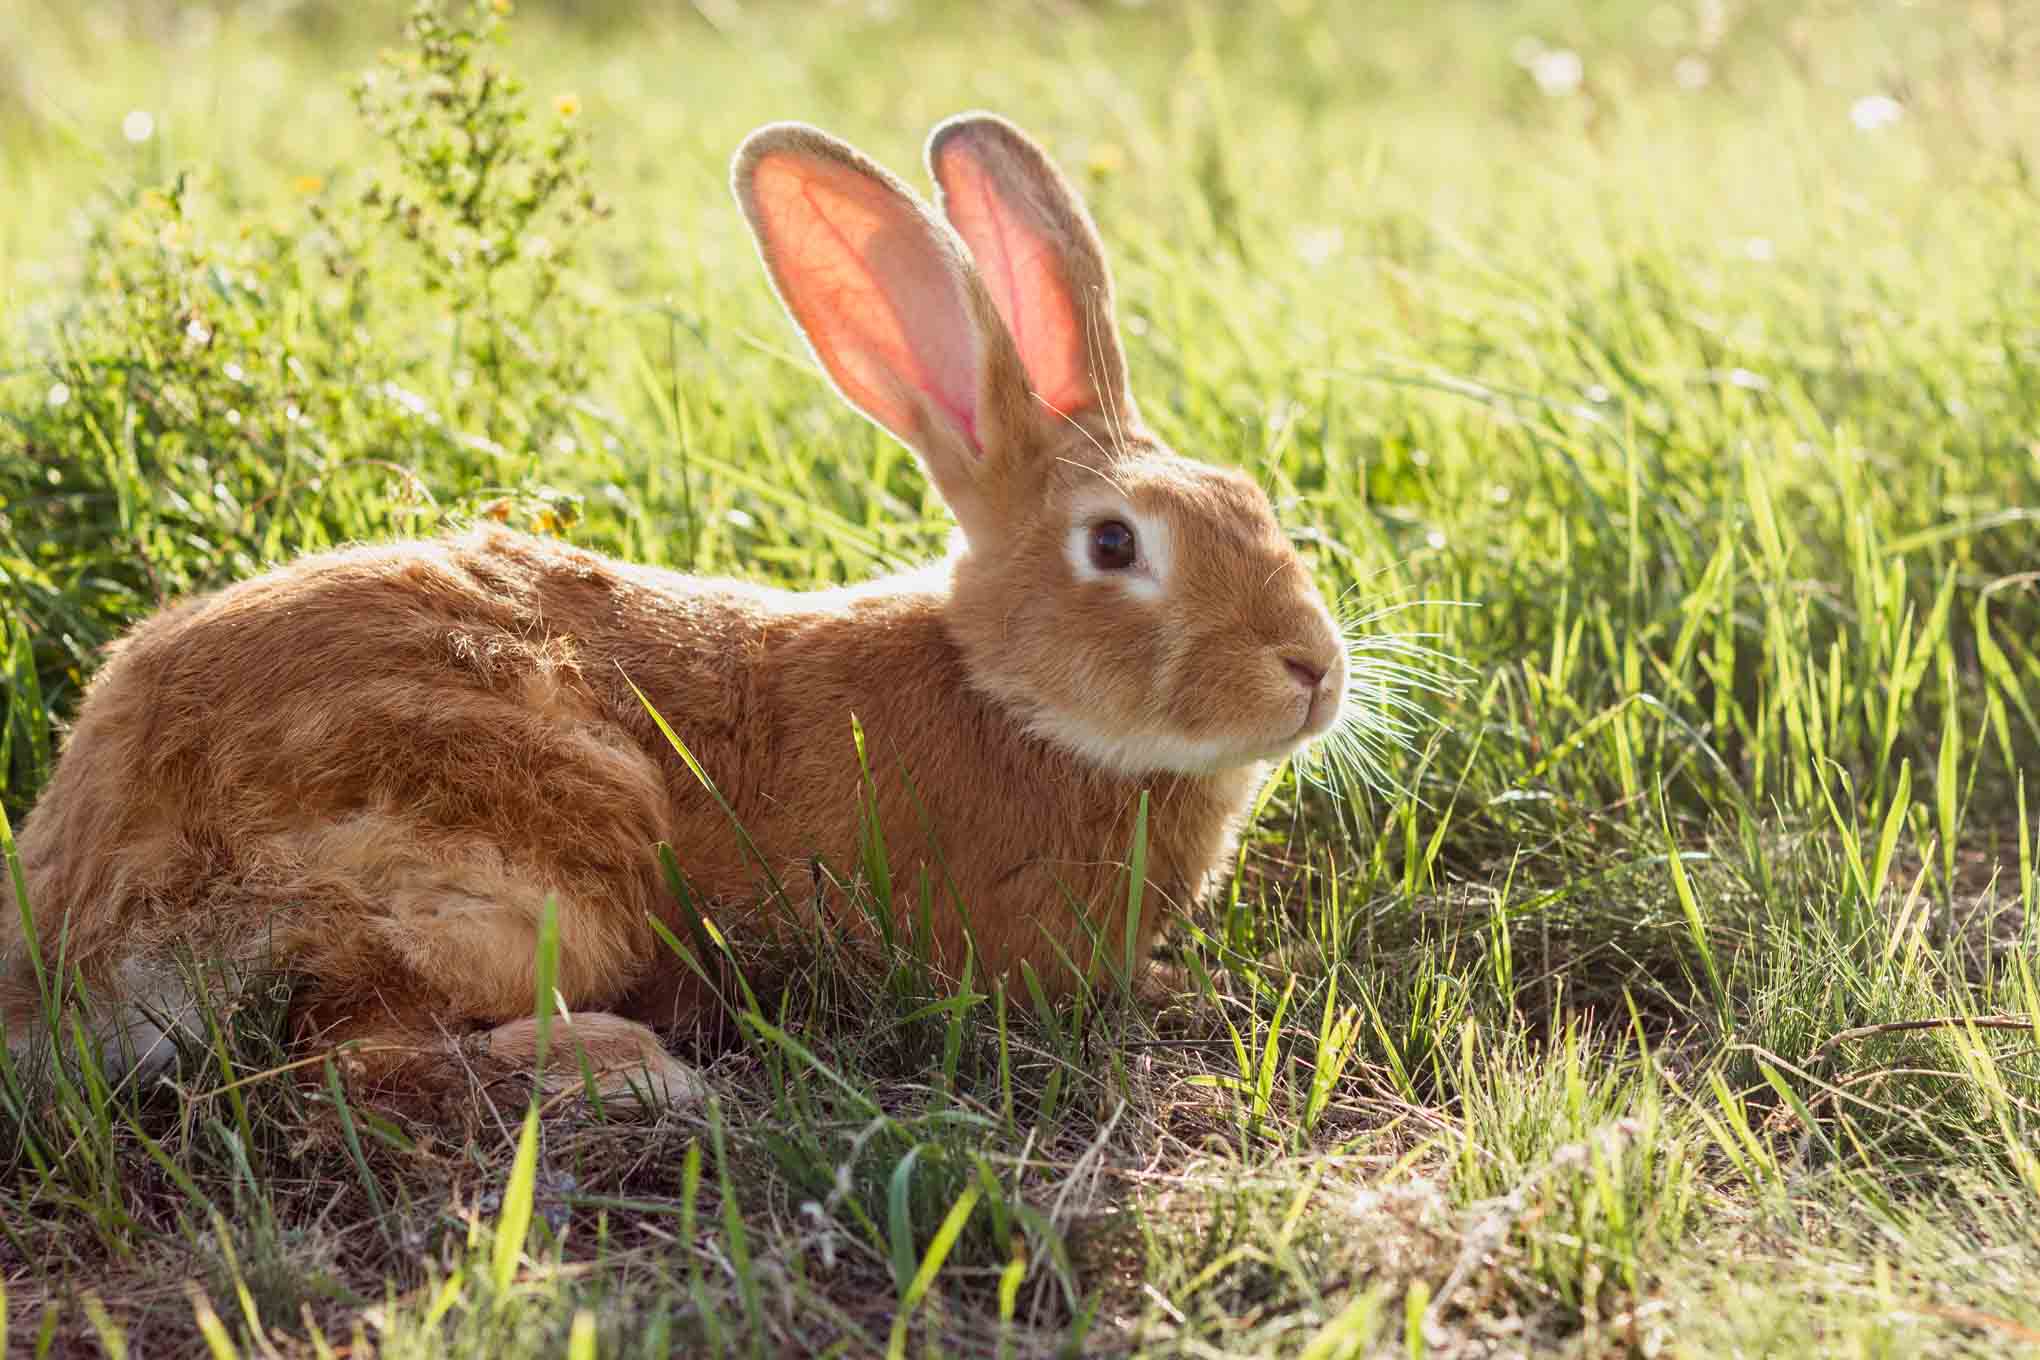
x=891, y=306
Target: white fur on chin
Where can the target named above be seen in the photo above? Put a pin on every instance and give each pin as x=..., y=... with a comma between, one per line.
x=1139, y=753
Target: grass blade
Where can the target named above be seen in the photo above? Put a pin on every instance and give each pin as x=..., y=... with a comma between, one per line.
x=513, y=1221
x=931, y=1263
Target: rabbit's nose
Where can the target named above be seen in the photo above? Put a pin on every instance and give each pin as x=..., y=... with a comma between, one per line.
x=1307, y=674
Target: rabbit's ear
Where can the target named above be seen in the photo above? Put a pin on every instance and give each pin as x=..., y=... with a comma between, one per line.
x=889, y=303
x=1040, y=259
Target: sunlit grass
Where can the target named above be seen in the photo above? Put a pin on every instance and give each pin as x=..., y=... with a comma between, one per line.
x=1648, y=960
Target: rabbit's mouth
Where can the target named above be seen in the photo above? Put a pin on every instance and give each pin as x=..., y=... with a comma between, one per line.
x=1321, y=715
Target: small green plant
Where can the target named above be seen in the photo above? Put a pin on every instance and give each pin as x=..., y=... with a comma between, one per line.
x=493, y=211
x=212, y=399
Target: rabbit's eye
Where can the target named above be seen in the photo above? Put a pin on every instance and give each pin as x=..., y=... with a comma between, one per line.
x=1112, y=546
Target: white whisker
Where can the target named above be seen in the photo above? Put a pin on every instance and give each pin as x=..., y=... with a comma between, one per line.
x=1094, y=322
x=1389, y=676
x=1103, y=452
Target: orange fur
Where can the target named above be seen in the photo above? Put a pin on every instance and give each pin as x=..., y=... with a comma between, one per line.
x=375, y=765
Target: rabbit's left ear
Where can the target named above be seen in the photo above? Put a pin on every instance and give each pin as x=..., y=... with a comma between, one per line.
x=1039, y=257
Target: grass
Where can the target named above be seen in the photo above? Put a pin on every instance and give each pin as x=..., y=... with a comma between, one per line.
x=1674, y=992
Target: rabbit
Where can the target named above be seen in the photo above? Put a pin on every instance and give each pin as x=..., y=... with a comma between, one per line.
x=372, y=767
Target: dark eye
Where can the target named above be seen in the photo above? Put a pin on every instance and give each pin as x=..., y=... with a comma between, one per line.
x=1112, y=546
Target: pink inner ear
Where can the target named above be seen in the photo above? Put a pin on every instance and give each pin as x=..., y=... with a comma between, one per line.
x=865, y=276
x=1022, y=268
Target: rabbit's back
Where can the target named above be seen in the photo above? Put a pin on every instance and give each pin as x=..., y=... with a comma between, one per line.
x=331, y=730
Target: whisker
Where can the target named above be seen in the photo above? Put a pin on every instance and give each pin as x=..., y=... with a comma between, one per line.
x=1094, y=322
x=1389, y=678
x=1099, y=473
x=1103, y=452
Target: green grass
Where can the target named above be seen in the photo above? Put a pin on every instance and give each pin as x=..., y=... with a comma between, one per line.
x=1700, y=424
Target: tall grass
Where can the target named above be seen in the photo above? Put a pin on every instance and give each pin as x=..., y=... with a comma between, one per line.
x=1658, y=971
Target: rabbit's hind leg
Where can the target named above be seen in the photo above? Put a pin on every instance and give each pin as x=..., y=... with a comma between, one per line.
x=619, y=1057
x=451, y=924
x=419, y=962
x=405, y=1058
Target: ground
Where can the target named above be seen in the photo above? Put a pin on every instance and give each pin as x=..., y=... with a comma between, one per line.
x=1674, y=370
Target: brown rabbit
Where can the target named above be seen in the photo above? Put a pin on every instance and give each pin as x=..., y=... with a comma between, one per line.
x=373, y=766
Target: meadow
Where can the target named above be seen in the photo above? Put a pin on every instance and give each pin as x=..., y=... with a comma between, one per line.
x=1671, y=370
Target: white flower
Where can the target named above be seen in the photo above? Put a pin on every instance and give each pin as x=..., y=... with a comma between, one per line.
x=1874, y=111
x=1558, y=71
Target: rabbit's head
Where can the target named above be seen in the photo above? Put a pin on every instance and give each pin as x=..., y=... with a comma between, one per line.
x=1138, y=608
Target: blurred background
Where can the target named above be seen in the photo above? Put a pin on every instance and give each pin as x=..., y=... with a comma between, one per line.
x=1317, y=128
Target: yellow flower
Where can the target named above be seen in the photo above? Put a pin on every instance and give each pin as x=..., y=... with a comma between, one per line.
x=502, y=7
x=308, y=184
x=567, y=105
